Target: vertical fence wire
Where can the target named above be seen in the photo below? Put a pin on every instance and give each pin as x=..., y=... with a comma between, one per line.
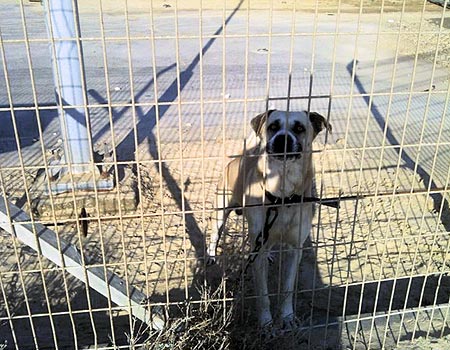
x=415, y=170
x=347, y=128
x=45, y=162
x=391, y=208
x=315, y=243
x=204, y=224
x=380, y=163
x=161, y=166
x=68, y=163
x=443, y=273
x=289, y=88
x=189, y=211
x=137, y=166
x=28, y=201
x=180, y=150
x=439, y=218
x=247, y=147
x=223, y=74
x=101, y=22
x=321, y=186
x=361, y=167
x=430, y=181
x=7, y=307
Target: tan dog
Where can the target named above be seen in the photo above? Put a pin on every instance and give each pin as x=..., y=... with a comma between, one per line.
x=266, y=182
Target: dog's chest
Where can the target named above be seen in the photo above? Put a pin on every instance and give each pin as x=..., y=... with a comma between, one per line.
x=283, y=181
x=291, y=225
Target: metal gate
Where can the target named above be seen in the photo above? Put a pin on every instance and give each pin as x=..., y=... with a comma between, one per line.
x=116, y=122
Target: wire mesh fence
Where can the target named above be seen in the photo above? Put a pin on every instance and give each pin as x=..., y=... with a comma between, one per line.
x=168, y=92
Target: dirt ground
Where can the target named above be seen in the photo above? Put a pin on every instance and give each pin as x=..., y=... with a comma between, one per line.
x=375, y=254
x=348, y=6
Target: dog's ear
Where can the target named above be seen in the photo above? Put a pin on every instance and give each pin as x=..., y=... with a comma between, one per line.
x=258, y=122
x=318, y=123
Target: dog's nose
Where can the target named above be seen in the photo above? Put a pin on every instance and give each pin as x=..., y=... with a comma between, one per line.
x=283, y=143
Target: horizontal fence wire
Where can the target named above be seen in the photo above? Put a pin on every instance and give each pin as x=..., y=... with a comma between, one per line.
x=168, y=98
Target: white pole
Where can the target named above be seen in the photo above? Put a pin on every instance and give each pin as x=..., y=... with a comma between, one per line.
x=67, y=75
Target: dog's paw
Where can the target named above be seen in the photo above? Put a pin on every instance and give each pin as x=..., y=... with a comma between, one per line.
x=268, y=331
x=290, y=323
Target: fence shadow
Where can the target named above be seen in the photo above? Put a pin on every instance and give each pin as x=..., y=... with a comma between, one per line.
x=27, y=298
x=126, y=150
x=27, y=127
x=428, y=182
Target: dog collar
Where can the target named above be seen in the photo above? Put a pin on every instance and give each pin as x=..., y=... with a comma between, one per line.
x=296, y=199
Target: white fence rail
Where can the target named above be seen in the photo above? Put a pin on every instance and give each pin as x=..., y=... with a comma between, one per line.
x=168, y=89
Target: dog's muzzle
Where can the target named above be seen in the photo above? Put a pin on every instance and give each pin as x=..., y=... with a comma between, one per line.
x=284, y=144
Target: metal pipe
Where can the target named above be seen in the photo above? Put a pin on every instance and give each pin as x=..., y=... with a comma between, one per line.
x=67, y=74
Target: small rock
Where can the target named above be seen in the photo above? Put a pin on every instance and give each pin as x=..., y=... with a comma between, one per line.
x=432, y=88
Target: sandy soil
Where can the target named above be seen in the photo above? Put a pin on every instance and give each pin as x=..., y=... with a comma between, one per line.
x=378, y=238
x=433, y=44
x=426, y=344
x=366, y=6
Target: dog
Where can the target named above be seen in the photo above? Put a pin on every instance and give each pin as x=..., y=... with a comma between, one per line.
x=268, y=185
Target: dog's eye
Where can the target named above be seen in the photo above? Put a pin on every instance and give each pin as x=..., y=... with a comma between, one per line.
x=274, y=127
x=298, y=128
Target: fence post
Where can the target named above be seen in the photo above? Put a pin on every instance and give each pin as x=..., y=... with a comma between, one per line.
x=67, y=79
x=67, y=64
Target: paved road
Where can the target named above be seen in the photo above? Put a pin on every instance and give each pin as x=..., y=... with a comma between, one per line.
x=327, y=59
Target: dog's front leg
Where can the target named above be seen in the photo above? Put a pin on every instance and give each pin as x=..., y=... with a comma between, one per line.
x=260, y=268
x=291, y=260
x=260, y=272
x=220, y=220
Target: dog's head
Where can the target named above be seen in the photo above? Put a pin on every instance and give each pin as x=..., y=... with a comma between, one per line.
x=288, y=133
